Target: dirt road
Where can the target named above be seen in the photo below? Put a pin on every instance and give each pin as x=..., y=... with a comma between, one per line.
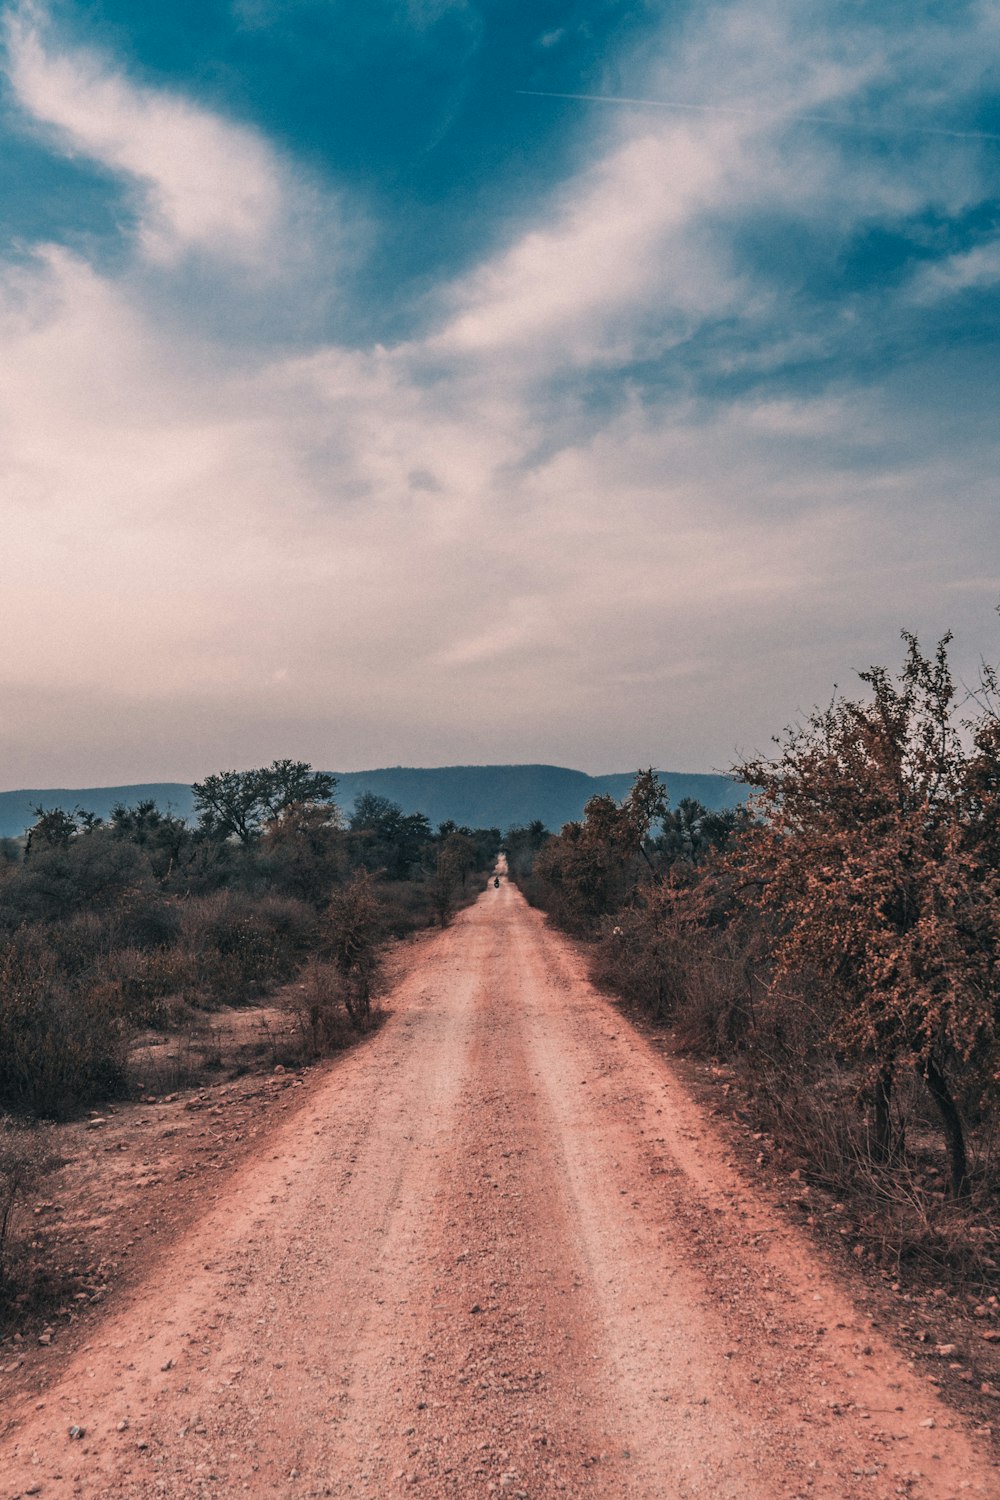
x=497, y=1251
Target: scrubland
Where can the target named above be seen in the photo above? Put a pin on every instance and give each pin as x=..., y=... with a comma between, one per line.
x=139, y=954
x=833, y=950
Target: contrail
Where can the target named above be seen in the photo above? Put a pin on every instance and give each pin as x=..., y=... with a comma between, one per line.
x=735, y=109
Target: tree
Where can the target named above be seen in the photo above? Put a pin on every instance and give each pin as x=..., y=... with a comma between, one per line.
x=392, y=841
x=456, y=859
x=521, y=845
x=592, y=866
x=875, y=858
x=55, y=828
x=352, y=941
x=286, y=784
x=164, y=836
x=373, y=813
x=240, y=804
x=691, y=833
x=303, y=853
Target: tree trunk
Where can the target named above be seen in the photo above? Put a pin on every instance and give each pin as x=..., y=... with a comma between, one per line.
x=951, y=1121
x=882, y=1116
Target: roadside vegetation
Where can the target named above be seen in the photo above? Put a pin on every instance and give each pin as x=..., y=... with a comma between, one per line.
x=142, y=954
x=110, y=928
x=834, y=945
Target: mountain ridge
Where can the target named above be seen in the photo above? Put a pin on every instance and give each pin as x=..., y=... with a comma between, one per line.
x=476, y=795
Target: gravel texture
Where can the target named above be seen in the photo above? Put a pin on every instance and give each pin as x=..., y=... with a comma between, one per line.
x=498, y=1250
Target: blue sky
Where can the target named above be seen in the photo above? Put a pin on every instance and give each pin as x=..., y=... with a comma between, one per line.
x=363, y=405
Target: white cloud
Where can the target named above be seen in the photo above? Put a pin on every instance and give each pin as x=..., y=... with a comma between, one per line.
x=216, y=555
x=207, y=184
x=236, y=557
x=621, y=235
x=971, y=269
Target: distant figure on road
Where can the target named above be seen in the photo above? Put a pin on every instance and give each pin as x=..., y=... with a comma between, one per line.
x=496, y=881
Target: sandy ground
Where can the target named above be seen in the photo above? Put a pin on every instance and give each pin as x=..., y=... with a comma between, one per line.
x=498, y=1250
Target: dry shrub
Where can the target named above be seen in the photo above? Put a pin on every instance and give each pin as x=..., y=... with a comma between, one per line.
x=407, y=906
x=26, y=1157
x=317, y=1000
x=639, y=962
x=352, y=939
x=148, y=980
x=62, y=1045
x=712, y=985
x=899, y=1207
x=706, y=988
x=239, y=946
x=179, y=1060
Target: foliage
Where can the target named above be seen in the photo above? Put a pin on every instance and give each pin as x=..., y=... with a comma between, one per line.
x=240, y=804
x=110, y=927
x=239, y=945
x=62, y=1043
x=691, y=834
x=317, y=1000
x=92, y=871
x=521, y=845
x=352, y=934
x=54, y=828
x=165, y=838
x=390, y=840
x=455, y=862
x=846, y=926
x=303, y=853
x=875, y=851
x=592, y=867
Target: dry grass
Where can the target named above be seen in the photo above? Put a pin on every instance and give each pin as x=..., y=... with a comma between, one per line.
x=795, y=1087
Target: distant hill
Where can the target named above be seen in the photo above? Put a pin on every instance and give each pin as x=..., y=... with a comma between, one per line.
x=498, y=796
x=478, y=796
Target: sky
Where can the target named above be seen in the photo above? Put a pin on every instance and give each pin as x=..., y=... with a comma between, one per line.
x=363, y=402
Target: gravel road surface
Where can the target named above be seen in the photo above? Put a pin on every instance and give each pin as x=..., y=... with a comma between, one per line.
x=497, y=1250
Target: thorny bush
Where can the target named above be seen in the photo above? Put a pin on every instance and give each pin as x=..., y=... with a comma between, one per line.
x=840, y=938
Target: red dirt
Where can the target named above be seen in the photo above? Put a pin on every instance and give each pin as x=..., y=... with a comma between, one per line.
x=497, y=1250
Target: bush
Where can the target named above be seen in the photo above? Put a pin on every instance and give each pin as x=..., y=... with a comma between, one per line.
x=25, y=1158
x=94, y=872
x=61, y=1045
x=407, y=906
x=318, y=1002
x=352, y=937
x=238, y=946
x=145, y=980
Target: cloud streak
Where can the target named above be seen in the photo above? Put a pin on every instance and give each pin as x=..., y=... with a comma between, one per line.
x=769, y=116
x=204, y=183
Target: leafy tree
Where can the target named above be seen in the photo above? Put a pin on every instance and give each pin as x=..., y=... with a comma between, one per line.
x=690, y=832
x=521, y=846
x=395, y=842
x=165, y=837
x=303, y=853
x=228, y=805
x=373, y=813
x=876, y=858
x=286, y=784
x=55, y=828
x=239, y=804
x=594, y=864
